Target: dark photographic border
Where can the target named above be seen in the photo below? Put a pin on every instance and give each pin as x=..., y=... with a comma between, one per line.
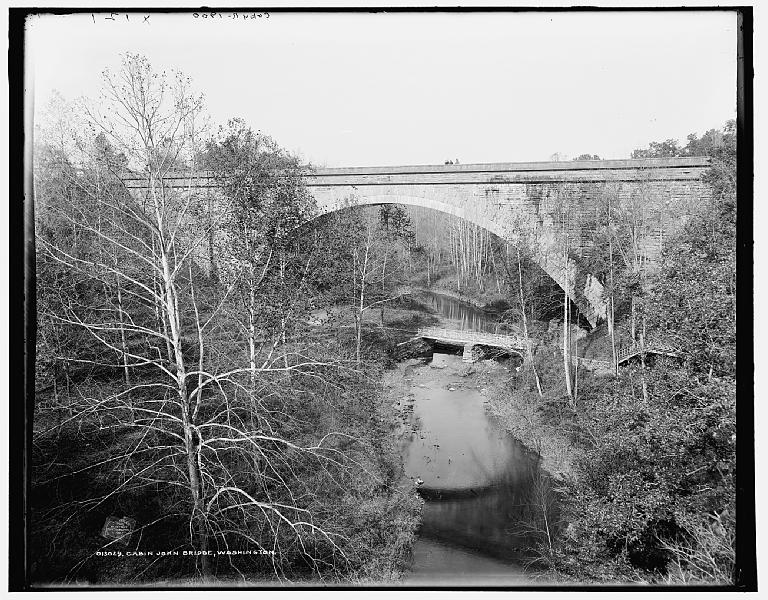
x=22, y=309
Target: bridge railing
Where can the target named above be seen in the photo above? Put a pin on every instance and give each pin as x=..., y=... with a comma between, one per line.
x=651, y=346
x=624, y=353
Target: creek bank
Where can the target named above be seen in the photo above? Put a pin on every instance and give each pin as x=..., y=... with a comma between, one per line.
x=520, y=412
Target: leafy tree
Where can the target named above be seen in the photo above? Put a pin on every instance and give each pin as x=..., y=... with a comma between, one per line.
x=666, y=149
x=264, y=187
x=695, y=291
x=658, y=465
x=714, y=143
x=656, y=494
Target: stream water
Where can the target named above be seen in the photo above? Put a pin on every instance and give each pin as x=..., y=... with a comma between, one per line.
x=479, y=483
x=460, y=315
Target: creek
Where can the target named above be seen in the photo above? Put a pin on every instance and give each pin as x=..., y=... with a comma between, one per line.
x=483, y=489
x=460, y=315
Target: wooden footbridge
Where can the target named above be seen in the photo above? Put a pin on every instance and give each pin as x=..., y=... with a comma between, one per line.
x=627, y=353
x=650, y=347
x=470, y=339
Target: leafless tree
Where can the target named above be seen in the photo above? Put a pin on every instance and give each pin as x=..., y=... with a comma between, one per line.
x=374, y=273
x=564, y=210
x=203, y=421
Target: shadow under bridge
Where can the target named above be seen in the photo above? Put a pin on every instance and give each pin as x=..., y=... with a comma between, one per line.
x=470, y=341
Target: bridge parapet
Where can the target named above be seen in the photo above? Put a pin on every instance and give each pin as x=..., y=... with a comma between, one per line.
x=662, y=169
x=655, y=169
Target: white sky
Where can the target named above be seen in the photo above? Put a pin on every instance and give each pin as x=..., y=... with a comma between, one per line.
x=421, y=88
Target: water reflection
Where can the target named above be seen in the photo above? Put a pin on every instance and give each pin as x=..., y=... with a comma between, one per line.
x=476, y=478
x=461, y=315
x=488, y=523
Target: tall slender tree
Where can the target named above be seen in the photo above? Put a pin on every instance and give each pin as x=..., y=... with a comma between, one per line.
x=206, y=427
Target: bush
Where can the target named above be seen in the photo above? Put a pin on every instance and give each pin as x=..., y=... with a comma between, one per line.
x=646, y=465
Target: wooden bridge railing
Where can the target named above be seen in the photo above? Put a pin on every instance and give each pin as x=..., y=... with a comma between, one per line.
x=626, y=352
x=650, y=347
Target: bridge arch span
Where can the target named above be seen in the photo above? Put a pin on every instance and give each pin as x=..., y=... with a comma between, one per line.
x=590, y=310
x=444, y=207
x=506, y=198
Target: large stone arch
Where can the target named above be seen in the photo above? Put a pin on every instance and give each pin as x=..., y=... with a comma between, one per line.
x=583, y=289
x=516, y=199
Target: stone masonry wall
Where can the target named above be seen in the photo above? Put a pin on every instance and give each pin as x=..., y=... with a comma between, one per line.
x=537, y=202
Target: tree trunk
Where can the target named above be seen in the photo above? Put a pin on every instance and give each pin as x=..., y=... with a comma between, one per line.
x=632, y=320
x=612, y=334
x=612, y=312
x=252, y=335
x=191, y=438
x=123, y=345
x=359, y=337
x=566, y=312
x=529, y=351
x=567, y=348
x=159, y=312
x=361, y=306
x=214, y=270
x=195, y=484
x=643, y=381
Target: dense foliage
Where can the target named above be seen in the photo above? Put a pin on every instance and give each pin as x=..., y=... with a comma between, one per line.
x=654, y=493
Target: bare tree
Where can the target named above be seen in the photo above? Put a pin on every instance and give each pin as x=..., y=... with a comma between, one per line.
x=374, y=272
x=564, y=209
x=520, y=238
x=205, y=425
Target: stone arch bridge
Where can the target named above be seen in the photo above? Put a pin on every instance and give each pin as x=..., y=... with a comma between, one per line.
x=537, y=202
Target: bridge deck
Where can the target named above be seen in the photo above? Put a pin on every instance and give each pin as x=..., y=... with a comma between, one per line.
x=463, y=337
x=677, y=168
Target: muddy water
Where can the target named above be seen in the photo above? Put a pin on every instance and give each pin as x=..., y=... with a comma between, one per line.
x=475, y=478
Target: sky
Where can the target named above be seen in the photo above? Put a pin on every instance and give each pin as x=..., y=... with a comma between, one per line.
x=357, y=89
